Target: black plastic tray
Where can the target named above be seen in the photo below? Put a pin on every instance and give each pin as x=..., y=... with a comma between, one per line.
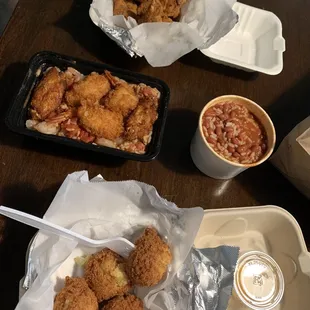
x=18, y=111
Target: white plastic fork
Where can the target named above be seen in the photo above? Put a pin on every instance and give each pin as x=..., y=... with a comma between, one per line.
x=119, y=245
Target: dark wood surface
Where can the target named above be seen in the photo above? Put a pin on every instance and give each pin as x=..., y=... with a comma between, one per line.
x=31, y=171
x=6, y=10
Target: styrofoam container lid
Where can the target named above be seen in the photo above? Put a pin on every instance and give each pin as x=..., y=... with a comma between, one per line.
x=254, y=44
x=258, y=281
x=268, y=229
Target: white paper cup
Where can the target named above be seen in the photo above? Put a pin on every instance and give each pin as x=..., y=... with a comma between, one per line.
x=216, y=166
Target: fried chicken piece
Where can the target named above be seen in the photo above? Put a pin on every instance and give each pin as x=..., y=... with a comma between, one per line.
x=125, y=8
x=140, y=123
x=90, y=90
x=148, y=262
x=106, y=276
x=172, y=8
x=150, y=11
x=166, y=19
x=100, y=122
x=158, y=11
x=48, y=95
x=76, y=295
x=122, y=99
x=126, y=302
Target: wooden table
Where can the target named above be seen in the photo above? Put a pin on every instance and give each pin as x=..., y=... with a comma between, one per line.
x=31, y=171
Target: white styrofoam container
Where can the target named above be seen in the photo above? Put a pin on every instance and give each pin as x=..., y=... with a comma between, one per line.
x=268, y=229
x=254, y=44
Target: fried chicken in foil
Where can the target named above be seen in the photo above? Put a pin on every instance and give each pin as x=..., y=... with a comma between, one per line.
x=148, y=11
x=126, y=8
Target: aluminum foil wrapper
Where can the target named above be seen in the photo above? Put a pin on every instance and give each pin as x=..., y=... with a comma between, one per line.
x=205, y=280
x=121, y=36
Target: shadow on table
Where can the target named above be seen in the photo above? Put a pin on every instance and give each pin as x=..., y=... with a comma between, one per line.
x=175, y=152
x=78, y=23
x=200, y=61
x=10, y=83
x=269, y=187
x=291, y=107
x=16, y=236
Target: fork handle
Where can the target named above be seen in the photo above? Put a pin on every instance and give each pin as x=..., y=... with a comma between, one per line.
x=44, y=225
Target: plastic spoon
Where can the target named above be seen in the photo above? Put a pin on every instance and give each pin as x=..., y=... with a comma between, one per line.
x=119, y=245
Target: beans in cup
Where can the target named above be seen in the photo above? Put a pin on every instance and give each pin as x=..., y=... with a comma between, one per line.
x=234, y=133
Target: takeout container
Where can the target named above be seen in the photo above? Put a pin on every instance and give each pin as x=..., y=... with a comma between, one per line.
x=18, y=111
x=254, y=44
x=269, y=229
x=211, y=163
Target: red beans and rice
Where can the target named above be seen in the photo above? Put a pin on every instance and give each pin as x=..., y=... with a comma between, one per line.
x=234, y=133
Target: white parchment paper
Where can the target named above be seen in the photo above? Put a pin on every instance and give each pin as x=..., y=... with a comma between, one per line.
x=202, y=23
x=293, y=157
x=99, y=210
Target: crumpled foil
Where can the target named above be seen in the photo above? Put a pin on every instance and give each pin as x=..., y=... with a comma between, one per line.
x=121, y=36
x=205, y=280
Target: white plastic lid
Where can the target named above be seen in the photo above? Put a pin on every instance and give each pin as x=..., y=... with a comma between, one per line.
x=259, y=281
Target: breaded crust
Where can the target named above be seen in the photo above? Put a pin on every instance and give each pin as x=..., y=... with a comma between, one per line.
x=91, y=89
x=76, y=295
x=48, y=95
x=148, y=262
x=140, y=122
x=122, y=100
x=101, y=122
x=126, y=302
x=106, y=276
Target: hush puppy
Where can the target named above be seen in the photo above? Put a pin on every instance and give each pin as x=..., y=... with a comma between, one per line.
x=105, y=275
x=126, y=302
x=76, y=295
x=148, y=262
